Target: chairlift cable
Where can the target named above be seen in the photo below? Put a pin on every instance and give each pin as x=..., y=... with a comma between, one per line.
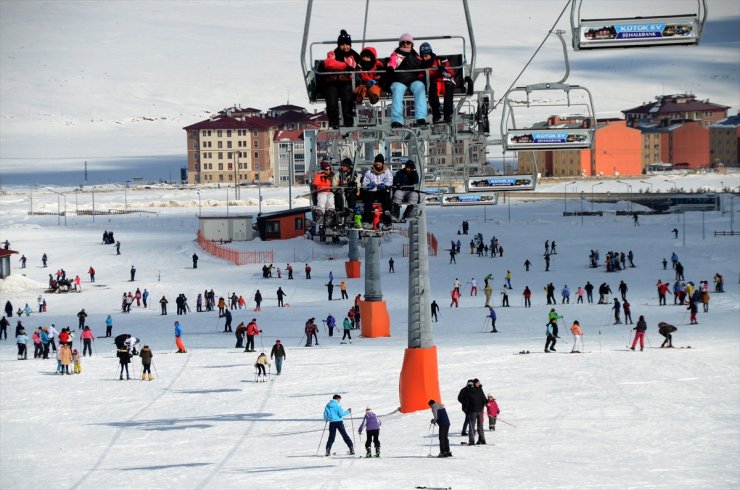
x=565, y=7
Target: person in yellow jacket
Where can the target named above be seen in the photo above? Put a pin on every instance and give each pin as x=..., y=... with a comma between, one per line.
x=262, y=361
x=575, y=329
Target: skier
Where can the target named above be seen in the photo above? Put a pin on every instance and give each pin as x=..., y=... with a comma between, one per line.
x=258, y=300
x=260, y=365
x=441, y=420
x=627, y=312
x=455, y=295
x=4, y=323
x=473, y=287
x=289, y=268
x=280, y=296
x=278, y=352
x=693, y=308
x=435, y=310
x=505, y=296
x=227, y=325
x=666, y=330
x=146, y=355
x=144, y=297
x=551, y=336
x=623, y=290
x=44, y=259
x=195, y=266
x=372, y=423
x=178, y=338
x=310, y=331
x=118, y=248
x=331, y=322
x=488, y=291
x=20, y=339
x=133, y=273
x=163, y=304
x=81, y=319
x=390, y=265
x=527, y=263
x=640, y=330
x=547, y=263
x=617, y=308
x=492, y=410
x=240, y=331
x=589, y=292
x=347, y=327
x=330, y=289
x=124, y=358
x=492, y=316
x=565, y=294
x=334, y=415
x=527, y=297
x=252, y=331
x=307, y=270
x=343, y=289
x=575, y=329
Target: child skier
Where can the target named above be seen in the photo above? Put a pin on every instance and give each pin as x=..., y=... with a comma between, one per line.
x=123, y=358
x=373, y=431
x=492, y=410
x=260, y=365
x=77, y=364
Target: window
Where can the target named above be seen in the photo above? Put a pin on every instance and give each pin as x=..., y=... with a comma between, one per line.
x=220, y=144
x=299, y=223
x=194, y=133
x=230, y=167
x=220, y=155
x=228, y=144
x=220, y=166
x=228, y=133
x=256, y=154
x=221, y=177
x=229, y=155
x=256, y=144
x=219, y=133
x=254, y=133
x=272, y=228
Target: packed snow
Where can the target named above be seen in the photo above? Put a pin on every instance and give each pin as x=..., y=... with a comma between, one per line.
x=606, y=418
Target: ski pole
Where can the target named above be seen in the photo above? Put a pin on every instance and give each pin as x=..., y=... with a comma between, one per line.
x=648, y=339
x=507, y=423
x=599, y=340
x=431, y=440
x=321, y=439
x=155, y=369
x=352, y=421
x=300, y=342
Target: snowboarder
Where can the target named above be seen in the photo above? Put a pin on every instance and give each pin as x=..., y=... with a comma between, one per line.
x=371, y=422
x=442, y=421
x=334, y=415
x=278, y=352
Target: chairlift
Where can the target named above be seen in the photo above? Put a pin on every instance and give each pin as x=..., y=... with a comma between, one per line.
x=557, y=132
x=626, y=32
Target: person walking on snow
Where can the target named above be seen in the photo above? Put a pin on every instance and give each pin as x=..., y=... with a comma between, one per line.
x=280, y=296
x=552, y=336
x=617, y=308
x=278, y=352
x=372, y=423
x=146, y=355
x=258, y=300
x=252, y=331
x=435, y=310
x=575, y=329
x=334, y=415
x=124, y=358
x=260, y=365
x=347, y=327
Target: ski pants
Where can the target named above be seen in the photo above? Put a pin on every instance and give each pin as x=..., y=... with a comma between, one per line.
x=261, y=370
x=527, y=302
x=124, y=365
x=333, y=428
x=38, y=350
x=550, y=343
x=641, y=337
x=444, y=440
x=325, y=201
x=250, y=343
x=347, y=335
x=577, y=343
x=239, y=341
x=333, y=93
x=372, y=435
x=476, y=424
x=22, y=353
x=492, y=422
x=87, y=349
x=46, y=351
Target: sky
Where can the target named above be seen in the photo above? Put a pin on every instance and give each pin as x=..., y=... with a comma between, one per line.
x=116, y=79
x=608, y=418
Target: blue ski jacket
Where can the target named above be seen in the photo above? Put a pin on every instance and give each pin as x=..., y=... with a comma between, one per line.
x=333, y=412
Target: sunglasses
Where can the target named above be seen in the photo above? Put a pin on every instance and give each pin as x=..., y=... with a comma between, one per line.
x=406, y=43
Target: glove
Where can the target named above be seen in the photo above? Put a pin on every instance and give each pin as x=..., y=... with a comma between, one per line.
x=433, y=422
x=371, y=83
x=381, y=187
x=351, y=63
x=371, y=185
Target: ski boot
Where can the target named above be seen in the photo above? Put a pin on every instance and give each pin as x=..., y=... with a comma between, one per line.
x=377, y=452
x=328, y=452
x=142, y=376
x=150, y=376
x=352, y=451
x=368, y=454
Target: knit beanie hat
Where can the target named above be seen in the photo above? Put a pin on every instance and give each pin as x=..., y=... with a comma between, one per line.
x=380, y=158
x=425, y=48
x=325, y=165
x=343, y=38
x=347, y=163
x=406, y=37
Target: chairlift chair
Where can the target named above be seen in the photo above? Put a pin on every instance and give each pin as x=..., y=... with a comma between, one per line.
x=627, y=32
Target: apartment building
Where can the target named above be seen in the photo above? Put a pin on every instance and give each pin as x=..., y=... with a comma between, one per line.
x=724, y=142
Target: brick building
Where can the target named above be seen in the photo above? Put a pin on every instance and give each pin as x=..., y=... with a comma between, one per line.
x=724, y=142
x=672, y=109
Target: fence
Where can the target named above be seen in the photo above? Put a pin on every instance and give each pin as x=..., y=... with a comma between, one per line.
x=237, y=257
x=431, y=242
x=726, y=233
